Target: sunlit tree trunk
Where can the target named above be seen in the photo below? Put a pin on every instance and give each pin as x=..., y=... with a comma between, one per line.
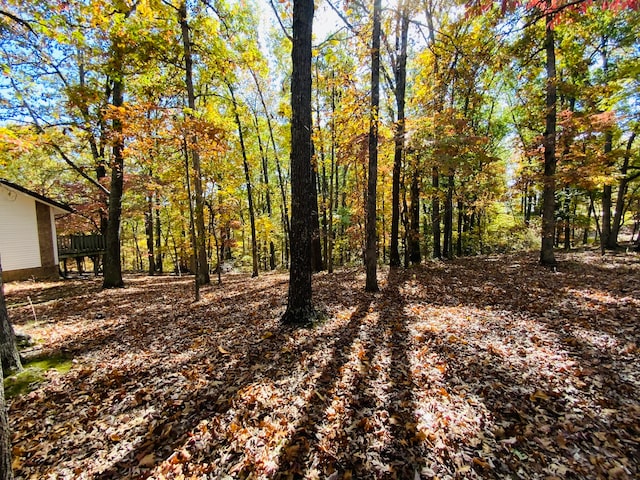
x=299, y=304
x=547, y=256
x=370, y=254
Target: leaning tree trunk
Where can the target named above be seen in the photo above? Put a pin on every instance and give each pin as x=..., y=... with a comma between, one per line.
x=300, y=309
x=8, y=348
x=547, y=257
x=370, y=253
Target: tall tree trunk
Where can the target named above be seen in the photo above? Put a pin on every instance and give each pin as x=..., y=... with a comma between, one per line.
x=316, y=244
x=332, y=172
x=9, y=356
x=112, y=266
x=281, y=183
x=401, y=82
x=247, y=177
x=547, y=256
x=435, y=213
x=267, y=188
x=448, y=219
x=370, y=253
x=149, y=231
x=299, y=304
x=202, y=273
x=158, y=227
x=606, y=240
x=192, y=225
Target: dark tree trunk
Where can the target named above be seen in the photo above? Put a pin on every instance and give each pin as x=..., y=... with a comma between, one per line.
x=158, y=227
x=192, y=227
x=607, y=242
x=401, y=82
x=202, y=272
x=547, y=256
x=370, y=253
x=316, y=243
x=460, y=226
x=299, y=304
x=435, y=213
x=8, y=348
x=623, y=186
x=448, y=220
x=413, y=242
x=112, y=266
x=149, y=231
x=333, y=171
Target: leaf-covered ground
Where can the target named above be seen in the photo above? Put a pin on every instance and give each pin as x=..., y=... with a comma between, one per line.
x=479, y=368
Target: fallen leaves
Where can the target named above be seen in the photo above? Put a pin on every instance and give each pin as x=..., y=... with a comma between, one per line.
x=477, y=368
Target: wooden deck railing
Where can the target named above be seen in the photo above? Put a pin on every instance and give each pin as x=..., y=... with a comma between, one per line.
x=71, y=246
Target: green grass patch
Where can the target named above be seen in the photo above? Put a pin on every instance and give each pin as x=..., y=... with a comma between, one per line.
x=34, y=373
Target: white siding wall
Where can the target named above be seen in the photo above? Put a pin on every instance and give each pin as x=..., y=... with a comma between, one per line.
x=19, y=244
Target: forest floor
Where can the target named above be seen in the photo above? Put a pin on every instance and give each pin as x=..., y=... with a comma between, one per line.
x=488, y=367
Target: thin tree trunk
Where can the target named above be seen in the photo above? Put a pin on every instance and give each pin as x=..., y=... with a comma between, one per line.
x=435, y=213
x=413, y=241
x=370, y=256
x=149, y=231
x=247, y=176
x=281, y=183
x=299, y=304
x=192, y=227
x=623, y=187
x=547, y=256
x=401, y=82
x=158, y=227
x=202, y=273
x=333, y=172
x=448, y=220
x=607, y=242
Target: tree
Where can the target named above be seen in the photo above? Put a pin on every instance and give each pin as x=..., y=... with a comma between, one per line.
x=8, y=348
x=370, y=253
x=300, y=308
x=11, y=359
x=202, y=272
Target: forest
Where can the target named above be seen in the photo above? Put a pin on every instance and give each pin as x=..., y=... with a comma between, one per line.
x=462, y=178
x=172, y=108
